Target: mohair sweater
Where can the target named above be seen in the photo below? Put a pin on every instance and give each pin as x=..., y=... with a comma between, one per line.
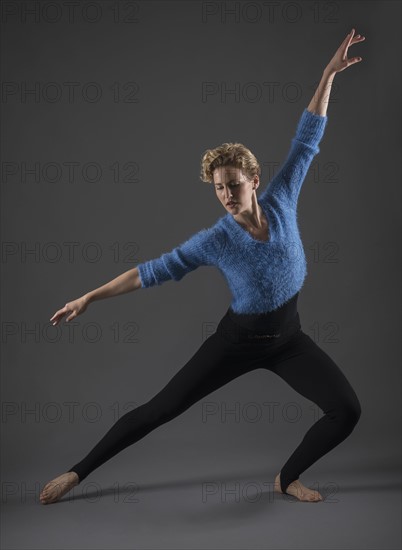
x=262, y=275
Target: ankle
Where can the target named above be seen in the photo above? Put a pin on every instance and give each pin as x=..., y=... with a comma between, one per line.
x=74, y=476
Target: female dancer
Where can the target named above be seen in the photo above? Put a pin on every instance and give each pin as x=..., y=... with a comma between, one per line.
x=257, y=247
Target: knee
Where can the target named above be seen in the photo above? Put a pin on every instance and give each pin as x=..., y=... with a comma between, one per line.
x=156, y=412
x=350, y=412
x=152, y=414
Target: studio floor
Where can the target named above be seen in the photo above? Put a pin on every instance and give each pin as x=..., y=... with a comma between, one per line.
x=202, y=502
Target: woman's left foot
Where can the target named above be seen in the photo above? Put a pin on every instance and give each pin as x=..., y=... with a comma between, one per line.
x=58, y=487
x=298, y=490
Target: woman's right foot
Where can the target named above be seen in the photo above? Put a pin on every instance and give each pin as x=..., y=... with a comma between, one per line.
x=298, y=490
x=58, y=487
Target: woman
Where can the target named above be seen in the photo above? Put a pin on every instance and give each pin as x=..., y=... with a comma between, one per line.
x=257, y=247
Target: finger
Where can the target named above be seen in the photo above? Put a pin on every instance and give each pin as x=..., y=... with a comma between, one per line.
x=58, y=316
x=356, y=40
x=344, y=54
x=345, y=44
x=55, y=316
x=352, y=61
x=350, y=34
x=349, y=39
x=344, y=41
x=59, y=311
x=70, y=317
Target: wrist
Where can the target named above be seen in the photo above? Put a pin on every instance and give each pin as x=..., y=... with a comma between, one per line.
x=88, y=298
x=328, y=72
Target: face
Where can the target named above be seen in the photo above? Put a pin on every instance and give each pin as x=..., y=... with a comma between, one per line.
x=233, y=188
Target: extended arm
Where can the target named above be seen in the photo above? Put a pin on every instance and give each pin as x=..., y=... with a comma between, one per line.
x=287, y=183
x=339, y=62
x=203, y=248
x=126, y=282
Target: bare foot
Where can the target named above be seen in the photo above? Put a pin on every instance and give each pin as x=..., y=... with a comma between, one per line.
x=58, y=487
x=297, y=489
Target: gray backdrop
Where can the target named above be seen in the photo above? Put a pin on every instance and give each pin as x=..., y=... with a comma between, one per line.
x=107, y=108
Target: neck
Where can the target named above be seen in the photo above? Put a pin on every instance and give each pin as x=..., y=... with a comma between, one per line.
x=251, y=219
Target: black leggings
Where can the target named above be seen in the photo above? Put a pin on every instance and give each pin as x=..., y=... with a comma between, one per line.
x=242, y=343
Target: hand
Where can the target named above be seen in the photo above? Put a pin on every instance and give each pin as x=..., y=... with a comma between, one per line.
x=76, y=307
x=340, y=60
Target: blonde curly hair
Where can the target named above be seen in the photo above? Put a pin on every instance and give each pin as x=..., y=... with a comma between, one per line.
x=229, y=154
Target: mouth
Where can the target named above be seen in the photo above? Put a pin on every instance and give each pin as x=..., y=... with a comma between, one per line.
x=231, y=204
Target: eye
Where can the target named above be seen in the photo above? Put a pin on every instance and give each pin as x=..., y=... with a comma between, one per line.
x=232, y=184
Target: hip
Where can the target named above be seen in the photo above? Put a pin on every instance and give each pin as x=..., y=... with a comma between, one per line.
x=269, y=328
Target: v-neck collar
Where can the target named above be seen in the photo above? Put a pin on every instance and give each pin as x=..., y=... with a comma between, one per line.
x=248, y=235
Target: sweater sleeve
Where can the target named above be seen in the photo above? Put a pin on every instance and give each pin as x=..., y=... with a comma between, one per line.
x=203, y=248
x=287, y=182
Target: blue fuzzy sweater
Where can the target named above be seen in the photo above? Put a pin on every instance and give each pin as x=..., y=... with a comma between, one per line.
x=262, y=275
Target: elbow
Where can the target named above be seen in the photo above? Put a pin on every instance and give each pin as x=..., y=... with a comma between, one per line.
x=137, y=279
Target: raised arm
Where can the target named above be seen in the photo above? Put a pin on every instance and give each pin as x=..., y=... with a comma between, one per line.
x=338, y=63
x=287, y=183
